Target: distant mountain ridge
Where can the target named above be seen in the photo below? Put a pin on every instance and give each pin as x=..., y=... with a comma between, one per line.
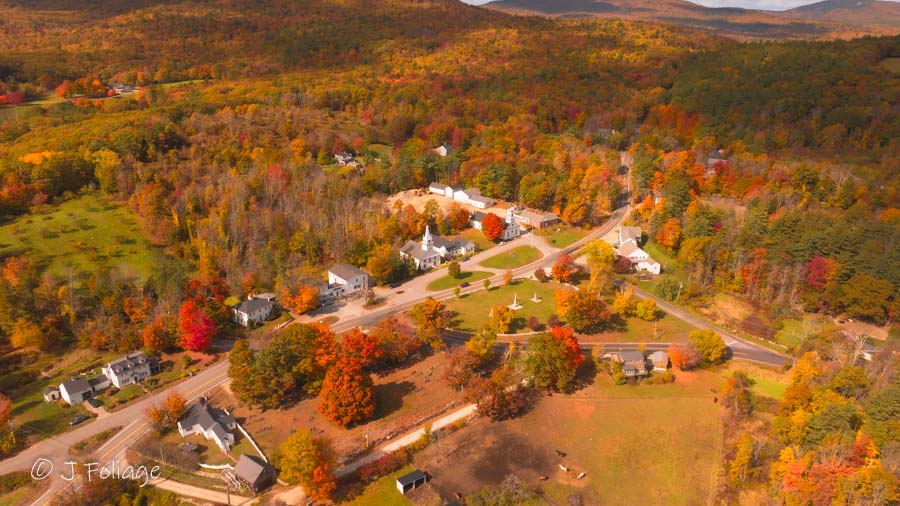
x=827, y=19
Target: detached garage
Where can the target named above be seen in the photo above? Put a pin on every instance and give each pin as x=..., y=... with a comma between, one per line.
x=411, y=481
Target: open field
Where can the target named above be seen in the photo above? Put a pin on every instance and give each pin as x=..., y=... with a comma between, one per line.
x=561, y=236
x=403, y=397
x=470, y=312
x=88, y=233
x=796, y=330
x=478, y=238
x=667, y=329
x=513, y=258
x=638, y=438
x=464, y=277
x=769, y=382
x=10, y=112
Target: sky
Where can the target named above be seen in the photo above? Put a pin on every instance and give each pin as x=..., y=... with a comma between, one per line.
x=770, y=5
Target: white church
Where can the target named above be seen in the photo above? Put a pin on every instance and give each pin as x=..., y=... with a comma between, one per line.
x=434, y=250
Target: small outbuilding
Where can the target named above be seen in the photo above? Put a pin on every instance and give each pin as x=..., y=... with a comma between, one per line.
x=411, y=481
x=257, y=474
x=51, y=394
x=660, y=360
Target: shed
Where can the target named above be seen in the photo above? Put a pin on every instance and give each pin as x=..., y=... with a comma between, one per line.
x=257, y=474
x=411, y=481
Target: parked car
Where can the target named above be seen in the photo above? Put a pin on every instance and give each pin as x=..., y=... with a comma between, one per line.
x=95, y=403
x=464, y=284
x=77, y=419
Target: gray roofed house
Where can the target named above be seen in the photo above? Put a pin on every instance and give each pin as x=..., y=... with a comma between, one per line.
x=536, y=219
x=630, y=234
x=633, y=362
x=434, y=249
x=128, y=369
x=75, y=390
x=257, y=474
x=343, y=280
x=346, y=271
x=213, y=423
x=252, y=310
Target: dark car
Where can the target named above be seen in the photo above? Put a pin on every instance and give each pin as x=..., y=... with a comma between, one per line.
x=394, y=285
x=95, y=403
x=78, y=419
x=464, y=284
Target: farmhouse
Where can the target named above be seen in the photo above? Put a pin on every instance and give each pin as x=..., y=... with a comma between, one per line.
x=442, y=189
x=535, y=219
x=128, y=369
x=472, y=197
x=252, y=310
x=256, y=474
x=629, y=247
x=411, y=481
x=433, y=250
x=511, y=231
x=633, y=362
x=214, y=424
x=345, y=159
x=343, y=280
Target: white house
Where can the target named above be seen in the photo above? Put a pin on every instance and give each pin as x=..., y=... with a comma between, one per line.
x=511, y=230
x=442, y=150
x=128, y=369
x=252, y=310
x=433, y=250
x=214, y=424
x=75, y=391
x=472, y=197
x=629, y=247
x=345, y=159
x=343, y=280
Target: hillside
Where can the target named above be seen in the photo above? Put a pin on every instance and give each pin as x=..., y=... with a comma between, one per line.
x=852, y=12
x=838, y=18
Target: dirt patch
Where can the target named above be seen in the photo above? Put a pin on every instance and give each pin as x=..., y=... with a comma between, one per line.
x=859, y=328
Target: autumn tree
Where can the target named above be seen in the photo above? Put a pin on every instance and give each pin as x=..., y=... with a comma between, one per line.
x=741, y=466
x=453, y=269
x=710, y=345
x=240, y=370
x=396, y=340
x=501, y=319
x=563, y=268
x=308, y=461
x=196, y=328
x=736, y=395
x=481, y=345
x=298, y=297
x=646, y=310
x=624, y=302
x=684, y=356
x=175, y=406
x=430, y=317
x=583, y=310
x=492, y=226
x=361, y=347
x=669, y=235
x=499, y=397
x=461, y=366
x=347, y=395
x=553, y=358
x=26, y=333
x=155, y=335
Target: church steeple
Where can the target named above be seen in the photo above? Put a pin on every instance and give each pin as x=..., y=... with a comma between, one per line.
x=427, y=242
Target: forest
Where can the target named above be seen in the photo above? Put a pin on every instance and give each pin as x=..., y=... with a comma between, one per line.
x=225, y=151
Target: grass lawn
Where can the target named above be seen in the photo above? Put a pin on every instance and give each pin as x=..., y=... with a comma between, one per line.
x=793, y=329
x=470, y=312
x=382, y=492
x=21, y=495
x=669, y=329
x=662, y=442
x=88, y=233
x=562, y=236
x=513, y=258
x=10, y=112
x=124, y=395
x=769, y=382
x=478, y=238
x=464, y=276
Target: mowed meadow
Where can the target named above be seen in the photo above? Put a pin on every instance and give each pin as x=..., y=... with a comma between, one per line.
x=82, y=236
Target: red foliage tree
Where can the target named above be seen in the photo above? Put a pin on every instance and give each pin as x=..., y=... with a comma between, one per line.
x=492, y=226
x=196, y=328
x=684, y=356
x=563, y=268
x=360, y=346
x=566, y=335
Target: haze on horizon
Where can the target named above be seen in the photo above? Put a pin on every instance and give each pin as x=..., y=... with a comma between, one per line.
x=769, y=5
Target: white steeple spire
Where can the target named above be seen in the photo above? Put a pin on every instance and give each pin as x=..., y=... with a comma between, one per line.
x=427, y=241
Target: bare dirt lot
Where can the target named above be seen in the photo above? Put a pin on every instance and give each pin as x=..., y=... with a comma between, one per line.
x=404, y=398
x=418, y=199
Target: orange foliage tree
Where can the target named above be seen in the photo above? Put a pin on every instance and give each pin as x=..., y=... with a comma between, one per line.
x=347, y=393
x=563, y=268
x=670, y=233
x=301, y=299
x=492, y=226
